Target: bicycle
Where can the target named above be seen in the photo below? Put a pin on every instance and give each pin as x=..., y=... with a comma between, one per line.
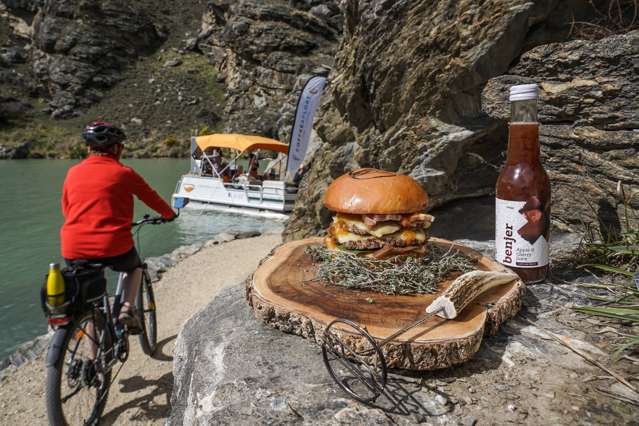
x=89, y=342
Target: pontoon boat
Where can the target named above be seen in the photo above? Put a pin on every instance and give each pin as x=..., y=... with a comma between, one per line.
x=219, y=185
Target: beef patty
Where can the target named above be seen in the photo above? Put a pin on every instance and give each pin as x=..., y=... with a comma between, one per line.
x=370, y=244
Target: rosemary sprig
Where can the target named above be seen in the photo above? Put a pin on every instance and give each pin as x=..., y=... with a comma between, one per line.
x=405, y=276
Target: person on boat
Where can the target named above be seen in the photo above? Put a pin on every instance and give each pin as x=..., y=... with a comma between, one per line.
x=97, y=205
x=207, y=164
x=235, y=171
x=271, y=171
x=219, y=165
x=229, y=172
x=253, y=168
x=253, y=163
x=299, y=174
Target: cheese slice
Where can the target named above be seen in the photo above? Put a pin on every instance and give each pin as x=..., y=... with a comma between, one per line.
x=351, y=220
x=409, y=235
x=384, y=228
x=379, y=230
x=344, y=237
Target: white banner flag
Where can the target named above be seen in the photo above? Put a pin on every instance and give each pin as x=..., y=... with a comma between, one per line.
x=195, y=166
x=301, y=133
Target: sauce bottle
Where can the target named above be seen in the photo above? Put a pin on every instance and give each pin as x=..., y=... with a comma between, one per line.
x=522, y=213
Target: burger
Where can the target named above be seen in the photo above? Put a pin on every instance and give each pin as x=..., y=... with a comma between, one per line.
x=377, y=213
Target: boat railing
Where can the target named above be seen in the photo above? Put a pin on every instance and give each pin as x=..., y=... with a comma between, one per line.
x=268, y=190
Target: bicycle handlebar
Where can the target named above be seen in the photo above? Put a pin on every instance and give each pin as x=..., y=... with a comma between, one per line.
x=153, y=220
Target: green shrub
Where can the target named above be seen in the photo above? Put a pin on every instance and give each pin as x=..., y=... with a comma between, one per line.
x=77, y=150
x=615, y=254
x=170, y=141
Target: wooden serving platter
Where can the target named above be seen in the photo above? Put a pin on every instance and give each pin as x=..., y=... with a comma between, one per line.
x=284, y=294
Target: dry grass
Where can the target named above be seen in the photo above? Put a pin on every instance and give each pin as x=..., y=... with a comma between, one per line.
x=405, y=276
x=611, y=17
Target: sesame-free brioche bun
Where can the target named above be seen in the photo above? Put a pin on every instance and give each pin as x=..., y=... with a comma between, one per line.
x=372, y=191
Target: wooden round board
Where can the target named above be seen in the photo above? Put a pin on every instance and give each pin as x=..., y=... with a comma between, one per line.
x=284, y=294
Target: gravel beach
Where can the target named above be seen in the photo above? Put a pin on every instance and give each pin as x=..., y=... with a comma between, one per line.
x=142, y=391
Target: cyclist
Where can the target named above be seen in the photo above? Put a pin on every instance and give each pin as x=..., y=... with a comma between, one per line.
x=97, y=204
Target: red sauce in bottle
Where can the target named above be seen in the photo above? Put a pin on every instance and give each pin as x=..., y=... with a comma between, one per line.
x=523, y=195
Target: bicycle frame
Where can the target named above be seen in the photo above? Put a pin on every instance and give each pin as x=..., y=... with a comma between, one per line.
x=112, y=313
x=95, y=322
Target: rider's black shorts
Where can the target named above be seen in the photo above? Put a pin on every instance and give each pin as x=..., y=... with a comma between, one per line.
x=126, y=262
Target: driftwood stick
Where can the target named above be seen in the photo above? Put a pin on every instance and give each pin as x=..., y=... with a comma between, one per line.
x=563, y=340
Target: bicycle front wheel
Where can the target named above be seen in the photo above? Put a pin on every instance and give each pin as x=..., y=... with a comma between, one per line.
x=78, y=382
x=145, y=305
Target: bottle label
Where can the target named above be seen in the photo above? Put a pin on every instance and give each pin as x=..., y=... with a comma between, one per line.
x=521, y=233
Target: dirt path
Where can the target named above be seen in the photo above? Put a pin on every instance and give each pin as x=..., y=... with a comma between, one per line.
x=141, y=393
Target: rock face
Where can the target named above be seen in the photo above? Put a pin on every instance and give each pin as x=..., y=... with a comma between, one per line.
x=81, y=46
x=406, y=96
x=177, y=66
x=15, y=75
x=588, y=107
x=228, y=369
x=25, y=352
x=265, y=51
x=18, y=152
x=79, y=61
x=11, y=107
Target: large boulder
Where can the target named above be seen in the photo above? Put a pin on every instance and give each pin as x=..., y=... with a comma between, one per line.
x=264, y=52
x=588, y=107
x=230, y=369
x=406, y=96
x=11, y=108
x=83, y=45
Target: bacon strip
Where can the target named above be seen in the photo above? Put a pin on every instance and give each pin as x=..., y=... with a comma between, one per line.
x=373, y=219
x=415, y=219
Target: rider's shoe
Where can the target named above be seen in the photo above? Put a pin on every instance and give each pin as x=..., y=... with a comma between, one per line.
x=130, y=319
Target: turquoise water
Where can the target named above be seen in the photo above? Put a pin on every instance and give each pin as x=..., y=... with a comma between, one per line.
x=30, y=219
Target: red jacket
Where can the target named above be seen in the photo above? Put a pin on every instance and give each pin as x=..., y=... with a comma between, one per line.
x=97, y=204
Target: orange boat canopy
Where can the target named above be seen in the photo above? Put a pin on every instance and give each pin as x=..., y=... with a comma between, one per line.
x=240, y=142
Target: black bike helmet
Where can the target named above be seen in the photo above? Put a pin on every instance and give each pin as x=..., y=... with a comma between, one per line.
x=102, y=133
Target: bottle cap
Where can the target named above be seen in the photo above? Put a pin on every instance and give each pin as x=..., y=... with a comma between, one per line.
x=524, y=92
x=54, y=265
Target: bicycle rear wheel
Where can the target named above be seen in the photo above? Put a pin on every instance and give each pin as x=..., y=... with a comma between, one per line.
x=78, y=382
x=145, y=305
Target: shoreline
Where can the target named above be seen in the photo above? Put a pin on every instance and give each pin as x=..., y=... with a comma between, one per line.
x=157, y=267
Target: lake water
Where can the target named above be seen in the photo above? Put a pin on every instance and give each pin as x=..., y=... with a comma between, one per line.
x=30, y=219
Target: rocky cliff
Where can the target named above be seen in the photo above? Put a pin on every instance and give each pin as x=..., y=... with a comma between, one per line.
x=406, y=95
x=417, y=87
x=161, y=69
x=265, y=51
x=73, y=61
x=588, y=108
x=80, y=49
